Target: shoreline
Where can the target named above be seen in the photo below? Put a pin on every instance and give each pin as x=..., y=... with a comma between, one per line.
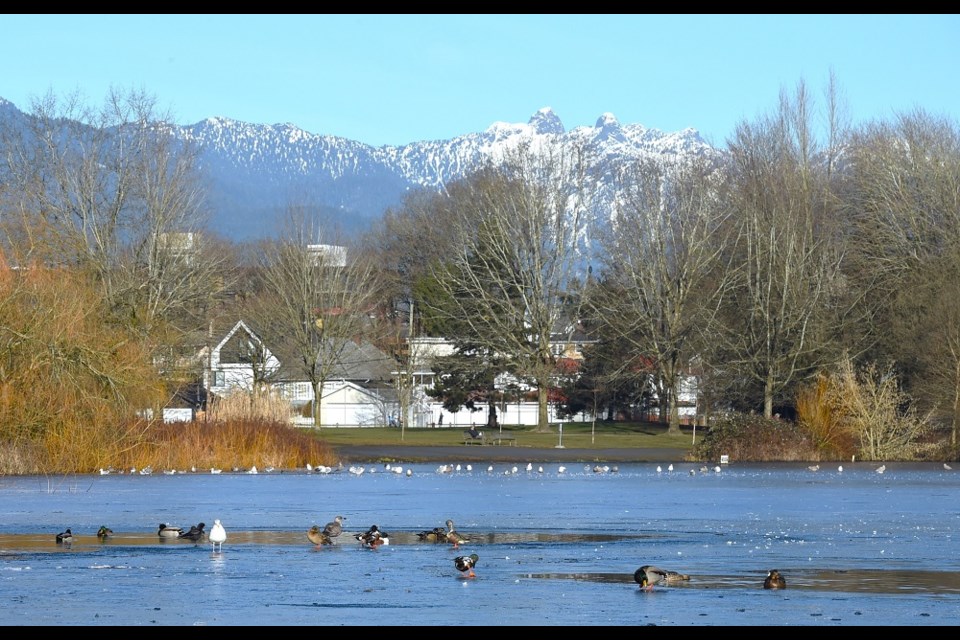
x=498, y=453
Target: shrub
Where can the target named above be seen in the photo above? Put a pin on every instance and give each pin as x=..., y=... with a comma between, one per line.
x=754, y=438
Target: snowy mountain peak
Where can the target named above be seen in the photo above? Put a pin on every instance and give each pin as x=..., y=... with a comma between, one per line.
x=545, y=121
x=253, y=170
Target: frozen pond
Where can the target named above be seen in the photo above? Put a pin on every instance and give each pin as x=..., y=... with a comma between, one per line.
x=857, y=547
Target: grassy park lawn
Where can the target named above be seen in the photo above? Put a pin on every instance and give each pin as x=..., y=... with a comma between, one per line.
x=578, y=435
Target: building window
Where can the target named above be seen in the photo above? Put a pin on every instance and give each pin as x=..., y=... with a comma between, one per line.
x=219, y=379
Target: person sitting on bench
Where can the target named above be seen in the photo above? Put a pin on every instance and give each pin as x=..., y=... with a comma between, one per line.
x=474, y=433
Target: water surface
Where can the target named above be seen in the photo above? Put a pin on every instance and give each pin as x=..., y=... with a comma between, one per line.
x=856, y=547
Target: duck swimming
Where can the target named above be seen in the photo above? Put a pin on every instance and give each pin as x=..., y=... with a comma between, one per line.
x=774, y=580
x=65, y=538
x=104, y=532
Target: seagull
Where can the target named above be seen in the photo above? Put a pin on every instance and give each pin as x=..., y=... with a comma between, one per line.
x=317, y=536
x=659, y=470
x=166, y=531
x=65, y=538
x=334, y=528
x=774, y=580
x=561, y=469
x=947, y=467
x=840, y=469
x=490, y=469
x=465, y=564
x=529, y=466
x=814, y=467
x=215, y=471
x=881, y=468
x=195, y=533
x=670, y=468
x=218, y=535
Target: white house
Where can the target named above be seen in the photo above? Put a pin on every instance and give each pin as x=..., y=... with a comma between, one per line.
x=358, y=393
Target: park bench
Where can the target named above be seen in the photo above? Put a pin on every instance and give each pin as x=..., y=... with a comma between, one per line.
x=472, y=436
x=504, y=439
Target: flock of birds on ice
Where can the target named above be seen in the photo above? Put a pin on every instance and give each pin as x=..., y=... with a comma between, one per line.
x=646, y=576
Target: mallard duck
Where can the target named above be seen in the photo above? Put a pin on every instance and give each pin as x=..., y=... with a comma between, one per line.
x=774, y=580
x=166, y=531
x=437, y=534
x=373, y=537
x=104, y=532
x=317, y=536
x=65, y=537
x=195, y=533
x=334, y=528
x=218, y=535
x=465, y=564
x=648, y=575
x=453, y=536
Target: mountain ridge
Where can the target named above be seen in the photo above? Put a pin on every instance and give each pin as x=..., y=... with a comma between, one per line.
x=254, y=172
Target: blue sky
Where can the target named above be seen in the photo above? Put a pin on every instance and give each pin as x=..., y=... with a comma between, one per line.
x=399, y=78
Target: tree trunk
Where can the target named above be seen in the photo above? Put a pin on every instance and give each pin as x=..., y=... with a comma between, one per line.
x=317, y=393
x=543, y=424
x=674, y=424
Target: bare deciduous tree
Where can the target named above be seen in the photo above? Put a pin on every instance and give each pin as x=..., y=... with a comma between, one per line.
x=903, y=198
x=318, y=296
x=509, y=280
x=660, y=255
x=112, y=191
x=785, y=307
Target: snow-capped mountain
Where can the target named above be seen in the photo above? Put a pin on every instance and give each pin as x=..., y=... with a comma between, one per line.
x=255, y=172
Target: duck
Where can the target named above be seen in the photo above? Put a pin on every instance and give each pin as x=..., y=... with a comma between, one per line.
x=465, y=564
x=195, y=533
x=166, y=531
x=334, y=528
x=318, y=537
x=453, y=536
x=437, y=534
x=104, y=532
x=647, y=576
x=373, y=537
x=774, y=580
x=218, y=535
x=65, y=537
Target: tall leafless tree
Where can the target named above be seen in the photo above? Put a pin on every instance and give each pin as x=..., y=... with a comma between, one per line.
x=510, y=278
x=660, y=254
x=903, y=199
x=318, y=295
x=113, y=191
x=788, y=292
